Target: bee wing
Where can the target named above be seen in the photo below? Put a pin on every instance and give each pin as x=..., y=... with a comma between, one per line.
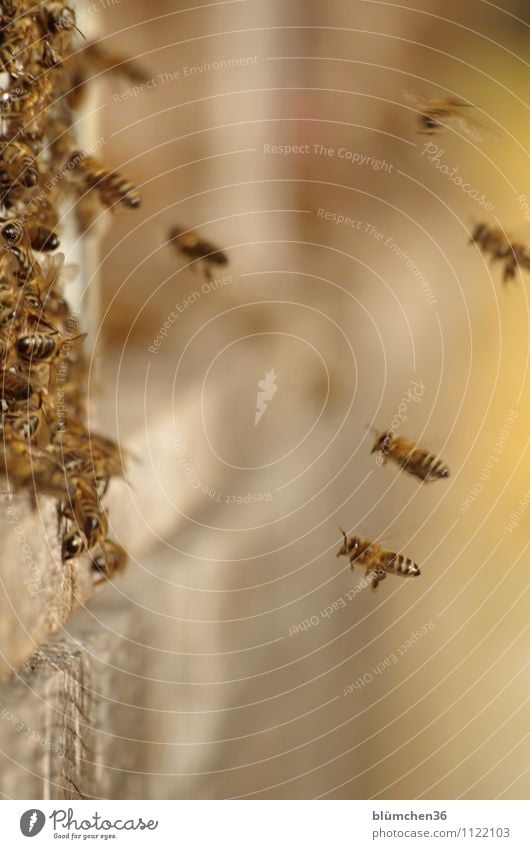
x=421, y=101
x=474, y=128
x=417, y=100
x=52, y=267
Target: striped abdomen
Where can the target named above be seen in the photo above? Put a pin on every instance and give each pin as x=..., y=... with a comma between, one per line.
x=90, y=518
x=424, y=465
x=397, y=564
x=113, y=188
x=36, y=346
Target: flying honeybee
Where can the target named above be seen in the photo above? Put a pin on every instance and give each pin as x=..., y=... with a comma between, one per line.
x=412, y=459
x=493, y=241
x=436, y=115
x=194, y=247
x=375, y=560
x=110, y=186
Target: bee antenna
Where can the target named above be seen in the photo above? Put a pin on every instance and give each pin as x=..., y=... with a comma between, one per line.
x=343, y=532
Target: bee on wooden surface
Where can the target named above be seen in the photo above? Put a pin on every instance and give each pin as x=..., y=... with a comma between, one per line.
x=493, y=241
x=104, y=454
x=189, y=244
x=111, y=187
x=376, y=560
x=412, y=459
x=111, y=561
x=90, y=517
x=436, y=115
x=37, y=472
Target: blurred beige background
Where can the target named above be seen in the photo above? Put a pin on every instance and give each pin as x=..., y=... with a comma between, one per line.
x=226, y=703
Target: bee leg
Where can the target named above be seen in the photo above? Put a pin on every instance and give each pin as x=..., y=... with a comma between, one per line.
x=380, y=576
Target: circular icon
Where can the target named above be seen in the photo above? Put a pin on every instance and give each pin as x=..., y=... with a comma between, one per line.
x=32, y=822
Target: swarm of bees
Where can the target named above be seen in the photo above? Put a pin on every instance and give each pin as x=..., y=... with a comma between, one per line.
x=46, y=445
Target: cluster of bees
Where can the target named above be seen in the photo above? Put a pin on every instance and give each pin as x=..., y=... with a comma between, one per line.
x=434, y=116
x=46, y=445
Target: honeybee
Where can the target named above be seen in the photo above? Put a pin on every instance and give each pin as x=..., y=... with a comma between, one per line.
x=13, y=387
x=57, y=17
x=12, y=232
x=102, y=455
x=191, y=245
x=493, y=241
x=11, y=55
x=19, y=161
x=36, y=471
x=38, y=346
x=42, y=347
x=111, y=561
x=412, y=459
x=27, y=426
x=110, y=186
x=375, y=560
x=53, y=273
x=90, y=517
x=435, y=115
x=42, y=238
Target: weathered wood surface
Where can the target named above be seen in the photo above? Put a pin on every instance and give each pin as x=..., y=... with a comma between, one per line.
x=62, y=721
